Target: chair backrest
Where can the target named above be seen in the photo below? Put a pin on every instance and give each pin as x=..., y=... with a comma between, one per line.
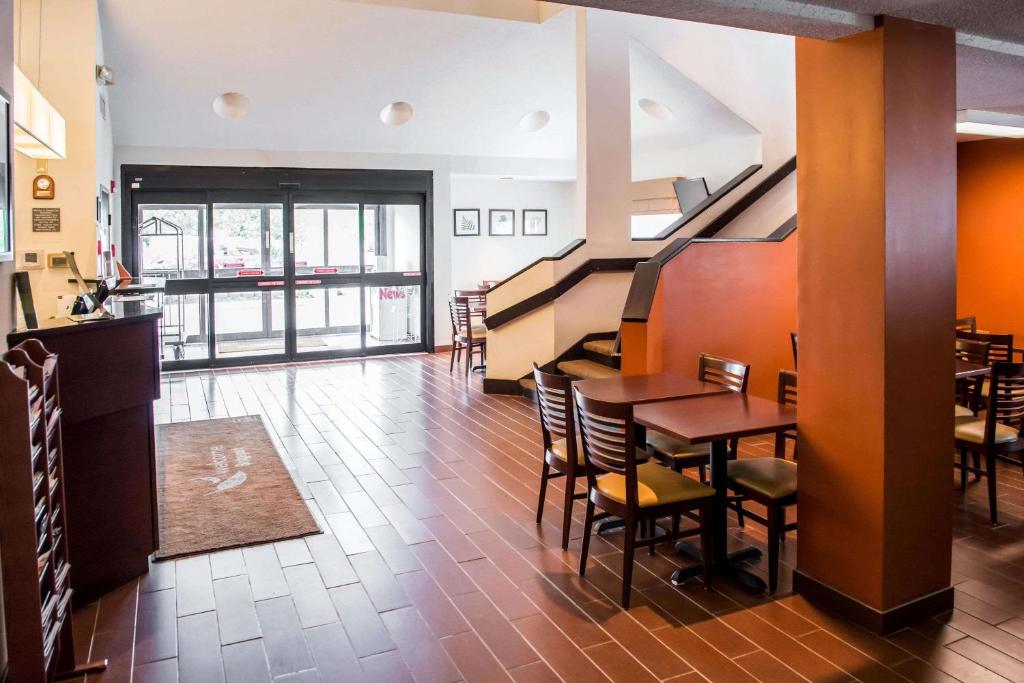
x=972, y=351
x=458, y=307
x=476, y=297
x=968, y=323
x=1006, y=397
x=606, y=430
x=725, y=372
x=554, y=403
x=1000, y=345
x=793, y=343
x=786, y=396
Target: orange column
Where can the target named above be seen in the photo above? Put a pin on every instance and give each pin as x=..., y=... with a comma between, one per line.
x=877, y=288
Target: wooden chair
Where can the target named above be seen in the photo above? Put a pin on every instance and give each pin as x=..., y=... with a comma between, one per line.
x=966, y=324
x=477, y=301
x=679, y=454
x=793, y=343
x=465, y=333
x=787, y=395
x=998, y=434
x=969, y=391
x=563, y=452
x=1000, y=345
x=639, y=494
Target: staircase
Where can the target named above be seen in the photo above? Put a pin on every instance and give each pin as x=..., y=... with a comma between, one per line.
x=590, y=358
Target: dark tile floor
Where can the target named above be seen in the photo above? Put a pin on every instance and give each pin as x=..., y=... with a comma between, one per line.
x=432, y=568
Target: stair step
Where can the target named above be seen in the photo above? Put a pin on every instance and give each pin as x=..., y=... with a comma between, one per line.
x=528, y=384
x=586, y=369
x=605, y=347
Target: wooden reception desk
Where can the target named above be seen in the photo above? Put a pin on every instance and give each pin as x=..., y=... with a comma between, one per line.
x=109, y=374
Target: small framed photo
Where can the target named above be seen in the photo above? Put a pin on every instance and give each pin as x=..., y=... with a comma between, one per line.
x=535, y=222
x=467, y=222
x=502, y=223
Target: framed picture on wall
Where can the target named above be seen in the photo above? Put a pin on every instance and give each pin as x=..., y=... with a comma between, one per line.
x=502, y=223
x=535, y=222
x=467, y=222
x=6, y=222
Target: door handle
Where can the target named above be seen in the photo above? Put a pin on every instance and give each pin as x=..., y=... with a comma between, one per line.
x=291, y=243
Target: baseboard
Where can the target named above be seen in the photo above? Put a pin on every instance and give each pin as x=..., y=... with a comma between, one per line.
x=509, y=387
x=447, y=348
x=880, y=621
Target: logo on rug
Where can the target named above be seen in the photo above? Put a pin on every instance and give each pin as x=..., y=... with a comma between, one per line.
x=222, y=464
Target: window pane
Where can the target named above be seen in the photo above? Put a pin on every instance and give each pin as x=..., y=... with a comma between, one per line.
x=183, y=329
x=327, y=319
x=326, y=236
x=248, y=239
x=392, y=315
x=392, y=238
x=249, y=323
x=173, y=240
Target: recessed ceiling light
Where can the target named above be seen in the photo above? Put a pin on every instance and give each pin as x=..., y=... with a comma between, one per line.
x=534, y=121
x=655, y=109
x=231, y=105
x=989, y=123
x=396, y=114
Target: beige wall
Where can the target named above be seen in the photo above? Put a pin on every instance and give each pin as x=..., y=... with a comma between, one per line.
x=66, y=78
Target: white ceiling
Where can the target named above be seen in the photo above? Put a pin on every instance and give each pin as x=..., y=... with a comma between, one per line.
x=318, y=73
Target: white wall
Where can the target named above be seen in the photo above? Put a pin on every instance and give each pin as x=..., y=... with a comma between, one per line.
x=494, y=258
x=442, y=167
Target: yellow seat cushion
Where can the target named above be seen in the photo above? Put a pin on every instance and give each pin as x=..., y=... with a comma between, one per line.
x=558, y=449
x=479, y=330
x=656, y=485
x=963, y=413
x=974, y=431
x=677, y=449
x=771, y=477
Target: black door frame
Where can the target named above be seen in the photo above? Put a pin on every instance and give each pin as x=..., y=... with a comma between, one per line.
x=187, y=184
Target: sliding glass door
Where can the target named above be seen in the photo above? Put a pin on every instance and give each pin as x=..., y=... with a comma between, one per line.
x=261, y=277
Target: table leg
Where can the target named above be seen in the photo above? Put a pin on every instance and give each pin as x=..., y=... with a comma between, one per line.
x=726, y=564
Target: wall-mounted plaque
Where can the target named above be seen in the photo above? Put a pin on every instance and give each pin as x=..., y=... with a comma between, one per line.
x=45, y=220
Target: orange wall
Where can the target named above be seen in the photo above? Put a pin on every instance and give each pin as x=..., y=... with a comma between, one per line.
x=990, y=234
x=732, y=299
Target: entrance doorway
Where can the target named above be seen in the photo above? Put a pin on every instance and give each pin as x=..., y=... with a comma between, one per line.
x=290, y=273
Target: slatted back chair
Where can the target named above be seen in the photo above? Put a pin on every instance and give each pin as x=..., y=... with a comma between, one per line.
x=1000, y=345
x=968, y=391
x=793, y=343
x=968, y=323
x=787, y=395
x=728, y=373
x=463, y=336
x=562, y=451
x=477, y=299
x=998, y=434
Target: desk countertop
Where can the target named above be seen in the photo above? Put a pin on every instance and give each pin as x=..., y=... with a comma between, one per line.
x=125, y=312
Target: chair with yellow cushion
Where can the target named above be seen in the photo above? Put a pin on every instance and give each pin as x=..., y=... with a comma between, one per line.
x=638, y=493
x=466, y=334
x=770, y=482
x=562, y=451
x=997, y=435
x=679, y=454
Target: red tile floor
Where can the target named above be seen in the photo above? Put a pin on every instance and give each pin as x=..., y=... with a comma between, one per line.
x=431, y=567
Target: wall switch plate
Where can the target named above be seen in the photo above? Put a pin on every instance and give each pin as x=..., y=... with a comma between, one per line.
x=31, y=259
x=57, y=259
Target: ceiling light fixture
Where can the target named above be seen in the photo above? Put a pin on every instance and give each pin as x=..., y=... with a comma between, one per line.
x=535, y=121
x=231, y=105
x=396, y=114
x=989, y=124
x=655, y=109
x=39, y=129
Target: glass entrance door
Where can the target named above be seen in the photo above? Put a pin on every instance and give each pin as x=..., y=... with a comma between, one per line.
x=257, y=277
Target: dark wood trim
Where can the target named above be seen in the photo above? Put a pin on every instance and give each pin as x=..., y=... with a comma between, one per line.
x=882, y=622
x=748, y=200
x=557, y=256
x=703, y=206
x=508, y=387
x=645, y=279
x=542, y=298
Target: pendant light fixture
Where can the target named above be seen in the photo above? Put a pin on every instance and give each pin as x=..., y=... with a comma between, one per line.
x=39, y=129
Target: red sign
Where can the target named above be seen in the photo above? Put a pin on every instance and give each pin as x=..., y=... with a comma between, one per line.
x=308, y=282
x=250, y=273
x=270, y=283
x=325, y=271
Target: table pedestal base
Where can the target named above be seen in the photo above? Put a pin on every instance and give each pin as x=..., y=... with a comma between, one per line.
x=727, y=567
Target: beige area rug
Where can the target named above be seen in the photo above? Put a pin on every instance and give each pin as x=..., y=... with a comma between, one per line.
x=221, y=484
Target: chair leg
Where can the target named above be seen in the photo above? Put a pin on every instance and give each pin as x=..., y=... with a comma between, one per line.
x=451, y=366
x=739, y=513
x=628, y=545
x=588, y=525
x=773, y=547
x=977, y=465
x=545, y=472
x=703, y=473
x=963, y=470
x=652, y=531
x=675, y=523
x=570, y=491
x=990, y=467
x=705, y=544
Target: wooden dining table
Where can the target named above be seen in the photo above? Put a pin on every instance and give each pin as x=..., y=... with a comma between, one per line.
x=966, y=370
x=716, y=419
